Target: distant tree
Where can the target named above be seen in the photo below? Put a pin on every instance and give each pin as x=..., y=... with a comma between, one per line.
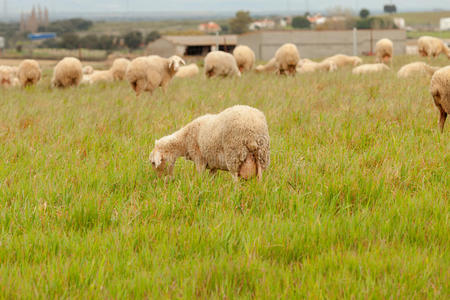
x=133, y=39
x=70, y=25
x=363, y=24
x=300, y=22
x=240, y=23
x=364, y=13
x=89, y=41
x=390, y=8
x=70, y=40
x=152, y=36
x=106, y=42
x=225, y=28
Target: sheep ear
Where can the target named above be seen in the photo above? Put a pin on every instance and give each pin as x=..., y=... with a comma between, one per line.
x=171, y=64
x=183, y=62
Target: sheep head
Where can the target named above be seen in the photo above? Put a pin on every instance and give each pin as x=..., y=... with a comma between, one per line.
x=162, y=162
x=175, y=62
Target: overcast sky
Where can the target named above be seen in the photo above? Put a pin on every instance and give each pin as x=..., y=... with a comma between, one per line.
x=218, y=5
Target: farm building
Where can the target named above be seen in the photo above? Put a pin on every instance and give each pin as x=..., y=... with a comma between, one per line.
x=191, y=45
x=317, y=44
x=444, y=24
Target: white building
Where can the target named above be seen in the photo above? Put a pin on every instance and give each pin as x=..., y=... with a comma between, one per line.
x=445, y=24
x=400, y=23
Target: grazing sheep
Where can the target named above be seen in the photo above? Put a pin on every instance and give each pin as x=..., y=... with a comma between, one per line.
x=416, y=68
x=88, y=70
x=384, y=51
x=432, y=47
x=312, y=66
x=188, y=71
x=235, y=140
x=119, y=68
x=148, y=73
x=440, y=90
x=286, y=59
x=8, y=77
x=245, y=58
x=100, y=76
x=220, y=63
x=370, y=68
x=29, y=72
x=341, y=60
x=270, y=67
x=68, y=72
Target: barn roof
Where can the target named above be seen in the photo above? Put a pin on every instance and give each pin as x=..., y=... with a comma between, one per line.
x=201, y=40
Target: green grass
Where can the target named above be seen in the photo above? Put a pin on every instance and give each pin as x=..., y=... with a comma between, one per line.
x=355, y=203
x=431, y=18
x=418, y=34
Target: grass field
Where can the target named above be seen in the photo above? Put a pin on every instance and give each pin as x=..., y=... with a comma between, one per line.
x=431, y=18
x=355, y=203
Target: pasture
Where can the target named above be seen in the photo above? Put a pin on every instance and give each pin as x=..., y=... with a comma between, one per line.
x=355, y=203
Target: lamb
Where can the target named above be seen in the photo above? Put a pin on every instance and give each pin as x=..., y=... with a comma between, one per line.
x=235, y=140
x=220, y=63
x=440, y=90
x=416, y=68
x=341, y=60
x=432, y=47
x=119, y=68
x=384, y=50
x=148, y=73
x=188, y=71
x=311, y=66
x=88, y=70
x=270, y=67
x=8, y=77
x=245, y=58
x=68, y=72
x=99, y=76
x=370, y=68
x=286, y=59
x=29, y=72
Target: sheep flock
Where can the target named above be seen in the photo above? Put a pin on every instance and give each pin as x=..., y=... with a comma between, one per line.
x=236, y=139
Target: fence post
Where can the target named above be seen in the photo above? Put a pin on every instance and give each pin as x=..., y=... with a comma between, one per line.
x=355, y=42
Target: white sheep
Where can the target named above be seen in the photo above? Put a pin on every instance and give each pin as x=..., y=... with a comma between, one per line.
x=188, y=71
x=245, y=58
x=67, y=72
x=8, y=77
x=312, y=66
x=432, y=47
x=148, y=73
x=415, y=69
x=370, y=68
x=29, y=72
x=99, y=76
x=384, y=51
x=286, y=59
x=88, y=70
x=341, y=60
x=220, y=63
x=235, y=140
x=119, y=68
x=270, y=67
x=440, y=90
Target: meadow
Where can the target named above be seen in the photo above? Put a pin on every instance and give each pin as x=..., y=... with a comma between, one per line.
x=355, y=203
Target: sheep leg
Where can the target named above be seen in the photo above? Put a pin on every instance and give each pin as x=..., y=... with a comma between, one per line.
x=258, y=170
x=235, y=176
x=442, y=118
x=200, y=166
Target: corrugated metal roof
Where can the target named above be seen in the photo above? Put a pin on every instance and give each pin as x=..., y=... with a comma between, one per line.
x=201, y=40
